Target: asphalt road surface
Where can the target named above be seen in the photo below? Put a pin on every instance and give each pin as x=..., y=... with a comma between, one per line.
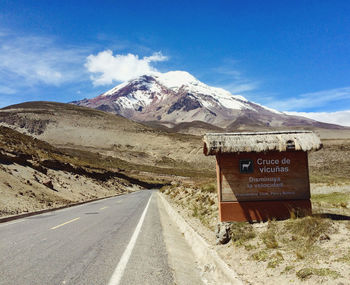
x=112, y=241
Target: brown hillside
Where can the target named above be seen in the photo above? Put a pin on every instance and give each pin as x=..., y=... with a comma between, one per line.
x=79, y=129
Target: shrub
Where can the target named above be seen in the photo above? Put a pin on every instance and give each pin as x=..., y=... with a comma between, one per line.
x=241, y=232
x=309, y=228
x=260, y=255
x=211, y=188
x=305, y=273
x=269, y=239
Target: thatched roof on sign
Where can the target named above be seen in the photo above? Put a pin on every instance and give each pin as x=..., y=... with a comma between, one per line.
x=260, y=142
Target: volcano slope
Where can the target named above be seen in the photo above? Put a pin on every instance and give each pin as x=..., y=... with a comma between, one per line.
x=34, y=176
x=115, y=140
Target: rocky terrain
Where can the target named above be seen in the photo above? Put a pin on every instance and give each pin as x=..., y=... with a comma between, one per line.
x=35, y=175
x=179, y=102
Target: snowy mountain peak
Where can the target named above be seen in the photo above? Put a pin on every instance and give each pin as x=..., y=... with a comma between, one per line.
x=176, y=97
x=176, y=79
x=115, y=89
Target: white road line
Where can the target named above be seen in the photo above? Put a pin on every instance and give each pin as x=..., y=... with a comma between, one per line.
x=119, y=270
x=104, y=208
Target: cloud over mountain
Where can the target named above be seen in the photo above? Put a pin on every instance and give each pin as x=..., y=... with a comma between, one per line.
x=108, y=68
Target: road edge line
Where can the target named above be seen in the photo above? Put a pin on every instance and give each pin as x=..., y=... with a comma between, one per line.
x=119, y=270
x=201, y=249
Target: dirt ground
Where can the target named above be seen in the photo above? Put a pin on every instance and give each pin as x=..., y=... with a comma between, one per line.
x=23, y=189
x=35, y=175
x=284, y=259
x=309, y=250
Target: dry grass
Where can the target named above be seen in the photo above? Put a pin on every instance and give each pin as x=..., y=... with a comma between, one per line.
x=334, y=199
x=199, y=199
x=241, y=233
x=291, y=243
x=275, y=260
x=261, y=255
x=284, y=246
x=208, y=187
x=306, y=231
x=269, y=236
x=307, y=272
x=345, y=258
x=331, y=165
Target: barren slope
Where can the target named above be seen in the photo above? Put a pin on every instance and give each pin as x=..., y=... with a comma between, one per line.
x=72, y=127
x=35, y=175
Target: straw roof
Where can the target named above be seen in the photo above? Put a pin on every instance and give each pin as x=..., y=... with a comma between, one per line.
x=216, y=143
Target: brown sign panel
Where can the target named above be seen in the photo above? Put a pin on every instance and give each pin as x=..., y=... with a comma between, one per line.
x=264, y=176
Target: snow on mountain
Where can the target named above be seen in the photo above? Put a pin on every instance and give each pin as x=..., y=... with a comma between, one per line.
x=115, y=89
x=178, y=97
x=176, y=81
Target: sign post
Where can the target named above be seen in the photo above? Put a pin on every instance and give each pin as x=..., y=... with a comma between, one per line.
x=262, y=176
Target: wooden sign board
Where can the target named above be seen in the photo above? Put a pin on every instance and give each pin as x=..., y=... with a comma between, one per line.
x=265, y=176
x=262, y=175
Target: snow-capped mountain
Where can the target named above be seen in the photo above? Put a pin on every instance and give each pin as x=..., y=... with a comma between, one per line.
x=177, y=97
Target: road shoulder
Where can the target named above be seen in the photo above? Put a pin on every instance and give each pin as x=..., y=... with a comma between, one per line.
x=180, y=256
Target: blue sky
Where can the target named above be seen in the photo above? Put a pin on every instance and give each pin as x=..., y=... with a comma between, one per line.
x=288, y=55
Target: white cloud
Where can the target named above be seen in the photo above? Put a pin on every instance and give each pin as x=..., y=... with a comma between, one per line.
x=157, y=56
x=312, y=100
x=30, y=60
x=339, y=118
x=109, y=68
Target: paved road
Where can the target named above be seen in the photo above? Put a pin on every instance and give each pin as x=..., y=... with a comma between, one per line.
x=85, y=244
